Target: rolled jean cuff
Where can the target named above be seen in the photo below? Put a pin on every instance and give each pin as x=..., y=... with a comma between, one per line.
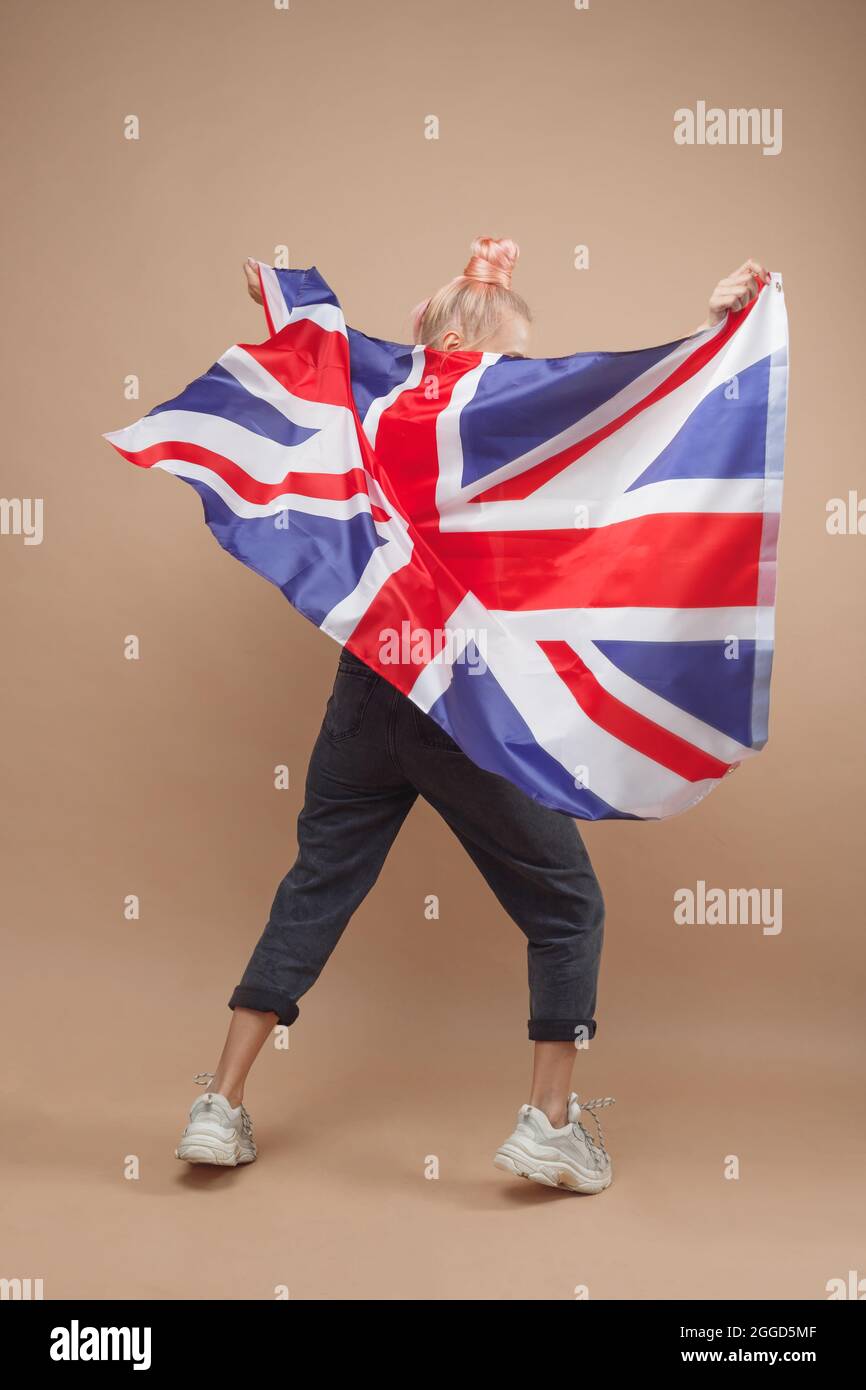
x=266, y=1001
x=561, y=1030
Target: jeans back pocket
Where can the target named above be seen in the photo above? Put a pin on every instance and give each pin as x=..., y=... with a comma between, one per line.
x=349, y=698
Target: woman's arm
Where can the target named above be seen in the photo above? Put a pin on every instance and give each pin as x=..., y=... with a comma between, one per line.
x=734, y=292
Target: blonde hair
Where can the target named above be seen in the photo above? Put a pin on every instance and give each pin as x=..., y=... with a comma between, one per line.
x=476, y=302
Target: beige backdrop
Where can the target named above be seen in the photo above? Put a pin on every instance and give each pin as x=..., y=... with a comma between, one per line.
x=155, y=777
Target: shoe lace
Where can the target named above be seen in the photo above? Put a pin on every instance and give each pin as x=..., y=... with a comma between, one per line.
x=597, y=1149
x=202, y=1078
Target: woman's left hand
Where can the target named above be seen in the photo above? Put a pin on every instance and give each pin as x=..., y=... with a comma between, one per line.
x=736, y=291
x=252, y=274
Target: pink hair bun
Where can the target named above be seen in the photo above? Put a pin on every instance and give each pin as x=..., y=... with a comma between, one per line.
x=475, y=302
x=492, y=261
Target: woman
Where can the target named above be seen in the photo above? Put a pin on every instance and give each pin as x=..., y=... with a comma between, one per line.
x=375, y=754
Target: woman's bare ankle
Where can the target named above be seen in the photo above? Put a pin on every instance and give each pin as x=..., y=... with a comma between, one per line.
x=233, y=1094
x=554, y=1107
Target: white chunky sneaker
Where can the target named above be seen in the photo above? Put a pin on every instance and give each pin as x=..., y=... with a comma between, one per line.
x=216, y=1133
x=566, y=1157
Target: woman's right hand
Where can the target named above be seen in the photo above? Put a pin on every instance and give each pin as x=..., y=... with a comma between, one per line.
x=736, y=290
x=254, y=289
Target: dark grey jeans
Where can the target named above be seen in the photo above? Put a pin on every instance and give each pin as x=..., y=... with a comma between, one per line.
x=375, y=754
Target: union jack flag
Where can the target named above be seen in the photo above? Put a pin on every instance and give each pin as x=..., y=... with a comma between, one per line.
x=569, y=563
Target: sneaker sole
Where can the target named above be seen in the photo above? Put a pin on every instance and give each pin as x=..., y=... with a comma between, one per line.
x=206, y=1149
x=521, y=1163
